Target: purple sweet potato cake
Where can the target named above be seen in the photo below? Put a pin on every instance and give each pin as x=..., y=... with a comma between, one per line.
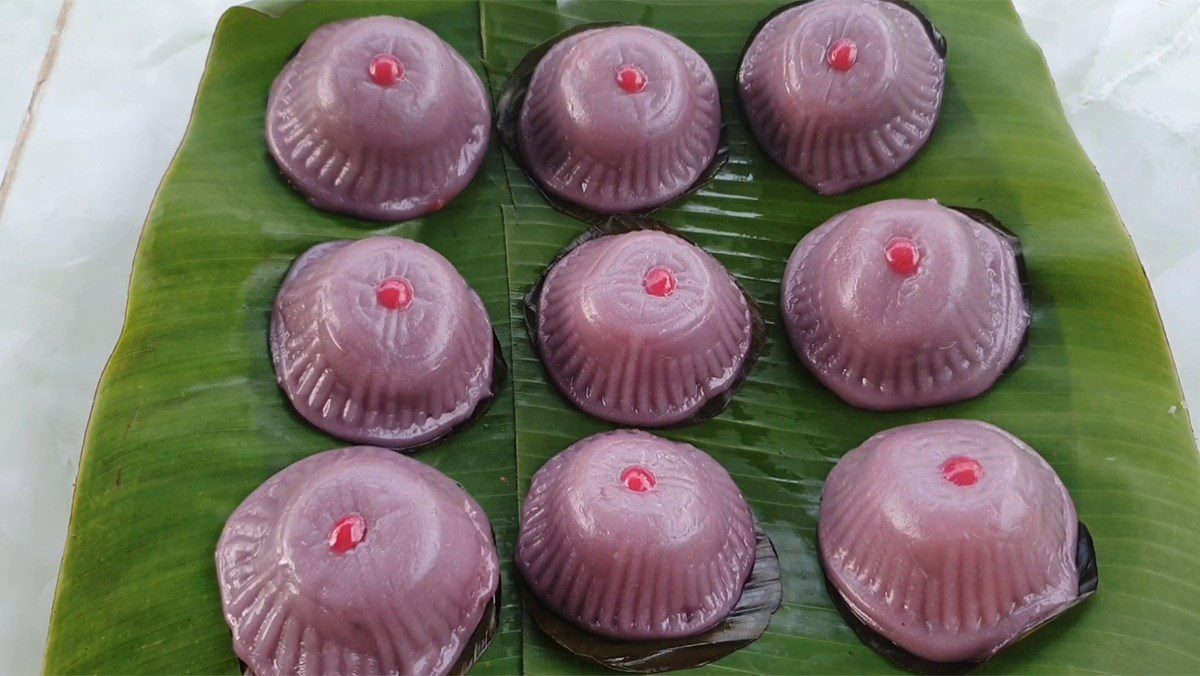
x=620, y=119
x=381, y=341
x=642, y=328
x=842, y=93
x=356, y=561
x=905, y=303
x=378, y=118
x=951, y=538
x=635, y=537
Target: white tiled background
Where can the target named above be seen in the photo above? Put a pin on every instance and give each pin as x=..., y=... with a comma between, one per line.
x=95, y=95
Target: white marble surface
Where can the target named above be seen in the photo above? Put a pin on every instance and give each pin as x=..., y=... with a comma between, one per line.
x=110, y=114
x=109, y=118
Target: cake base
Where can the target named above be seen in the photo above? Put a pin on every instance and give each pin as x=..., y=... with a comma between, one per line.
x=762, y=596
x=1089, y=581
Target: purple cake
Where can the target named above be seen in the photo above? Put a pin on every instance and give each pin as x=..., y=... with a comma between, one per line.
x=356, y=561
x=620, y=119
x=642, y=328
x=378, y=118
x=635, y=537
x=952, y=538
x=381, y=341
x=842, y=93
x=905, y=303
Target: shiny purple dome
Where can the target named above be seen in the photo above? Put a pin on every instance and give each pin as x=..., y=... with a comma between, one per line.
x=620, y=119
x=952, y=538
x=904, y=303
x=642, y=328
x=842, y=93
x=381, y=341
x=324, y=567
x=635, y=537
x=378, y=118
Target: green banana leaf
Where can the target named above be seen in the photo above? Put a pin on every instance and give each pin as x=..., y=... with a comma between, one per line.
x=188, y=419
x=1098, y=396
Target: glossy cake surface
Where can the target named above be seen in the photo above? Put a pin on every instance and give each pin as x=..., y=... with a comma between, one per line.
x=642, y=328
x=323, y=567
x=379, y=118
x=842, y=93
x=381, y=341
x=620, y=119
x=905, y=303
x=950, y=538
x=635, y=537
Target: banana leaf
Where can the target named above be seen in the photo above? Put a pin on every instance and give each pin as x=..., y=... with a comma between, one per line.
x=188, y=419
x=1098, y=396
